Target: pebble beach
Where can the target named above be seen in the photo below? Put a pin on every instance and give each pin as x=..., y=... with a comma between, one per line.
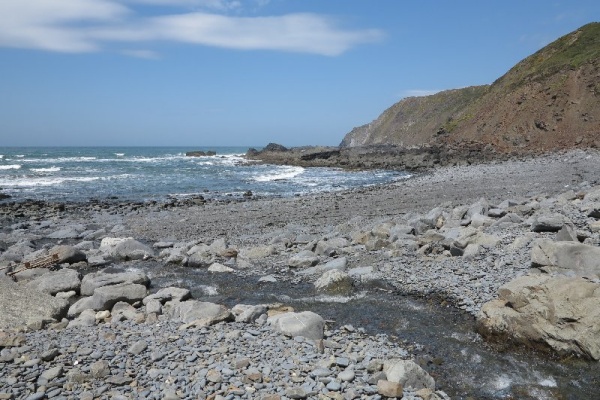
x=452, y=236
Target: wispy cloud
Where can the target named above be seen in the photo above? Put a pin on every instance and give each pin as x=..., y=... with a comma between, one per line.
x=418, y=92
x=145, y=54
x=92, y=25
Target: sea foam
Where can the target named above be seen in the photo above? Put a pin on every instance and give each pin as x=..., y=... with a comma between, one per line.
x=283, y=174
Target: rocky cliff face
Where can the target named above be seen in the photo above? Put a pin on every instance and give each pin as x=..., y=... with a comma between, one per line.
x=548, y=101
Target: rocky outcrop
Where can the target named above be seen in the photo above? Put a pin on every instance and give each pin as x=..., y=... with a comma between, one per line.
x=566, y=257
x=21, y=306
x=558, y=314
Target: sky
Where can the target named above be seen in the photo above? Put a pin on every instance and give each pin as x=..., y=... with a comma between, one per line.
x=248, y=72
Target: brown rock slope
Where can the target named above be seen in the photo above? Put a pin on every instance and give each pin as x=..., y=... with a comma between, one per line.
x=548, y=101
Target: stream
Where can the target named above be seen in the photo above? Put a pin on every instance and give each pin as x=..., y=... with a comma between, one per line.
x=442, y=338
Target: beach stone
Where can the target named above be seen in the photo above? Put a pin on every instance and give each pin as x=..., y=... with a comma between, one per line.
x=216, y=267
x=138, y=347
x=95, y=280
x=567, y=234
x=191, y=310
x=125, y=249
x=199, y=259
x=389, y=389
x=100, y=369
x=566, y=257
x=480, y=207
x=257, y=253
x=330, y=247
x=168, y=294
x=51, y=373
x=153, y=307
x=334, y=282
x=560, y=314
x=86, y=318
x=218, y=246
x=408, y=374
x=303, y=259
x=548, y=223
x=306, y=324
x=248, y=313
x=20, y=306
x=53, y=282
x=593, y=210
x=126, y=311
x=296, y=393
x=267, y=279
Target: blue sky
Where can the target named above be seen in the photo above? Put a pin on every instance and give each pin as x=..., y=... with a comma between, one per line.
x=248, y=72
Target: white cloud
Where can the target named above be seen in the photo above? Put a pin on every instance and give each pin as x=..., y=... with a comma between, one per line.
x=145, y=54
x=52, y=25
x=91, y=25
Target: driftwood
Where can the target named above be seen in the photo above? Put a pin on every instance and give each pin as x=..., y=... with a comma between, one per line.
x=48, y=261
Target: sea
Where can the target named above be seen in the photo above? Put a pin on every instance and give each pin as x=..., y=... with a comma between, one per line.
x=79, y=174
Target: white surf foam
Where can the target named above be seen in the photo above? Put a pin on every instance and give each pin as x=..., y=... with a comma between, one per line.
x=548, y=382
x=49, y=169
x=12, y=166
x=119, y=154
x=1, y=156
x=20, y=155
x=283, y=173
x=33, y=182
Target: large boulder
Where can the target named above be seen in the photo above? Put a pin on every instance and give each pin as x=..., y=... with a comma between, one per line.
x=21, y=306
x=191, y=310
x=107, y=296
x=68, y=254
x=51, y=283
x=168, y=294
x=303, y=259
x=125, y=249
x=560, y=314
x=408, y=374
x=99, y=279
x=566, y=257
x=306, y=324
x=548, y=223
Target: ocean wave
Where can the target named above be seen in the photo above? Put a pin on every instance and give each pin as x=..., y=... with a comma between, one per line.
x=59, y=160
x=283, y=174
x=11, y=166
x=33, y=182
x=1, y=156
x=20, y=155
x=119, y=154
x=49, y=169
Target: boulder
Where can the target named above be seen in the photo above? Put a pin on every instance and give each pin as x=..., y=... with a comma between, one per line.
x=21, y=306
x=68, y=254
x=593, y=210
x=125, y=249
x=191, y=310
x=337, y=263
x=216, y=267
x=559, y=314
x=566, y=257
x=95, y=280
x=248, y=313
x=567, y=234
x=408, y=374
x=303, y=259
x=593, y=194
x=65, y=233
x=548, y=223
x=257, y=253
x=218, y=246
x=306, y=324
x=200, y=259
x=334, y=282
x=389, y=389
x=53, y=282
x=168, y=294
x=480, y=207
x=17, y=251
x=107, y=296
x=86, y=318
x=331, y=247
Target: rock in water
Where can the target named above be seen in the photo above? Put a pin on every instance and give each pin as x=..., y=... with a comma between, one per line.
x=408, y=374
x=561, y=314
x=20, y=306
x=334, y=282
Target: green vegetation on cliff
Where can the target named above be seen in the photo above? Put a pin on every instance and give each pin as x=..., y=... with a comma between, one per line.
x=549, y=100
